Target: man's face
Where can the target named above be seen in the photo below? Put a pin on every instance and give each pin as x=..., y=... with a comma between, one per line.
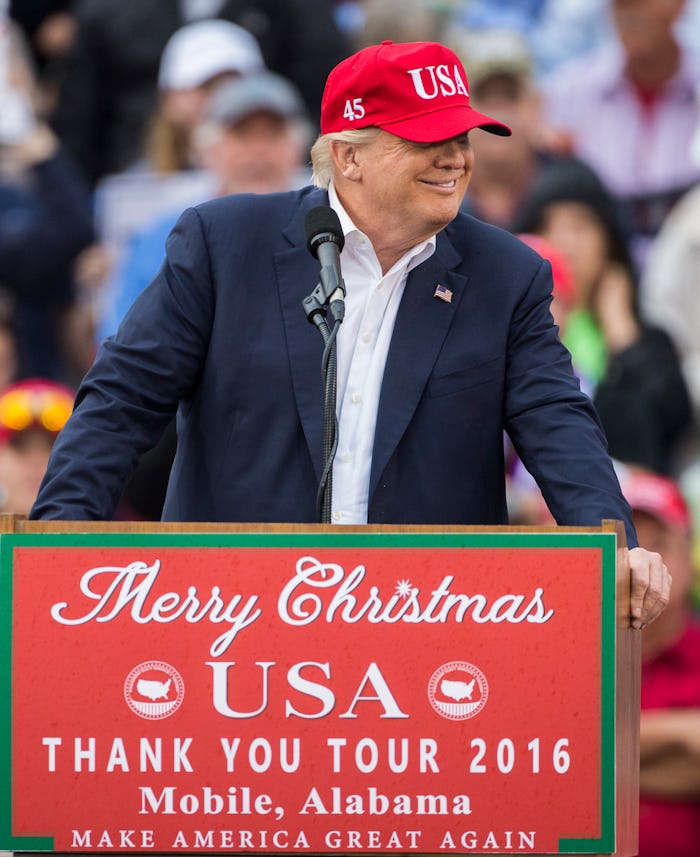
x=576, y=231
x=410, y=189
x=23, y=462
x=509, y=98
x=185, y=108
x=675, y=547
x=259, y=154
x=642, y=24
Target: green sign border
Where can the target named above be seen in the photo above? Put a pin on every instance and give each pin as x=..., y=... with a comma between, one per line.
x=606, y=542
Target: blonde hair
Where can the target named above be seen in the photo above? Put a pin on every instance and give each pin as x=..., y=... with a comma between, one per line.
x=167, y=146
x=321, y=155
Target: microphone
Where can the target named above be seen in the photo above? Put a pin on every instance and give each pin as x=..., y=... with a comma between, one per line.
x=325, y=240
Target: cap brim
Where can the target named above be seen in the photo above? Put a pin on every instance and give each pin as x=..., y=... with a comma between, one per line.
x=251, y=106
x=444, y=124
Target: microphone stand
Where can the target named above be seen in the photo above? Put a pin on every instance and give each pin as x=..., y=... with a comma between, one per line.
x=315, y=307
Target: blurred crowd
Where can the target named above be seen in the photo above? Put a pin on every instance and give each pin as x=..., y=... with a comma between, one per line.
x=115, y=115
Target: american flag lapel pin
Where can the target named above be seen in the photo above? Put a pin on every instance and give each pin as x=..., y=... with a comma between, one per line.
x=443, y=293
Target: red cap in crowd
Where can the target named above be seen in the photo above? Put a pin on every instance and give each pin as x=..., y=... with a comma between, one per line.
x=34, y=403
x=563, y=279
x=416, y=90
x=656, y=495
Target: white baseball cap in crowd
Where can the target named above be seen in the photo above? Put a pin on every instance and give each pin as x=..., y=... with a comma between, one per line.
x=199, y=52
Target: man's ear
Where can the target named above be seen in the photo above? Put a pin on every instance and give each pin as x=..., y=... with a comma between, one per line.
x=345, y=160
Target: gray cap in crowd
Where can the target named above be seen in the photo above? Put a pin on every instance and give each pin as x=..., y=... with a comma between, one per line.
x=264, y=92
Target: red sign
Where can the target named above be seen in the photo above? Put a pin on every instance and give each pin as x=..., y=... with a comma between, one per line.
x=364, y=694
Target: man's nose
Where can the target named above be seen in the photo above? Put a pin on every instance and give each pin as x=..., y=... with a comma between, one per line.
x=451, y=153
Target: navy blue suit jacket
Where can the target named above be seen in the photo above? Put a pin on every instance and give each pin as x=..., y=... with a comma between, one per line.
x=220, y=334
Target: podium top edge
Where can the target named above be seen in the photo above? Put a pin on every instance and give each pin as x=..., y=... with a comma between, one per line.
x=20, y=525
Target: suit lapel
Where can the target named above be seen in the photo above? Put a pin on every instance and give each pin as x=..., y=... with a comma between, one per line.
x=421, y=325
x=297, y=274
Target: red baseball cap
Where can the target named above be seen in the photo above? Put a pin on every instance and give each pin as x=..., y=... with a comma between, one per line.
x=416, y=90
x=658, y=496
x=562, y=277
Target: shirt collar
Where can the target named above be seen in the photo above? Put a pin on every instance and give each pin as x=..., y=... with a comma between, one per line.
x=346, y=223
x=412, y=258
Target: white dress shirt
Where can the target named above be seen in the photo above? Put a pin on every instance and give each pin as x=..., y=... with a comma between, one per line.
x=371, y=304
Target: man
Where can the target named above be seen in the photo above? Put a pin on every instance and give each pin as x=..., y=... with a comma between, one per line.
x=108, y=84
x=253, y=138
x=669, y=812
x=447, y=340
x=668, y=292
x=45, y=217
x=629, y=110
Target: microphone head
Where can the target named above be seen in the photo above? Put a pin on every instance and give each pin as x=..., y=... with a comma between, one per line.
x=322, y=224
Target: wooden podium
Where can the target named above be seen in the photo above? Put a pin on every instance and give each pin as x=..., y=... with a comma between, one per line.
x=253, y=688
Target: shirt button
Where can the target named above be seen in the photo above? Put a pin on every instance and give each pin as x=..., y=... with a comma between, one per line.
x=347, y=458
x=380, y=285
x=366, y=337
x=337, y=516
x=356, y=398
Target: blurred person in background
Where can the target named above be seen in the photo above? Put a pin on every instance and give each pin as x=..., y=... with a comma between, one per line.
x=670, y=287
x=500, y=65
x=196, y=58
x=167, y=176
x=9, y=358
x=573, y=28
x=631, y=368
x=49, y=27
x=255, y=135
x=253, y=139
x=560, y=30
x=109, y=89
x=670, y=298
x=526, y=505
x=299, y=39
x=32, y=412
x=556, y=30
x=45, y=218
x=564, y=294
x=669, y=817
x=399, y=21
x=630, y=110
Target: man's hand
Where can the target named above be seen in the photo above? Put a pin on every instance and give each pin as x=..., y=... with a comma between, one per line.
x=651, y=586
